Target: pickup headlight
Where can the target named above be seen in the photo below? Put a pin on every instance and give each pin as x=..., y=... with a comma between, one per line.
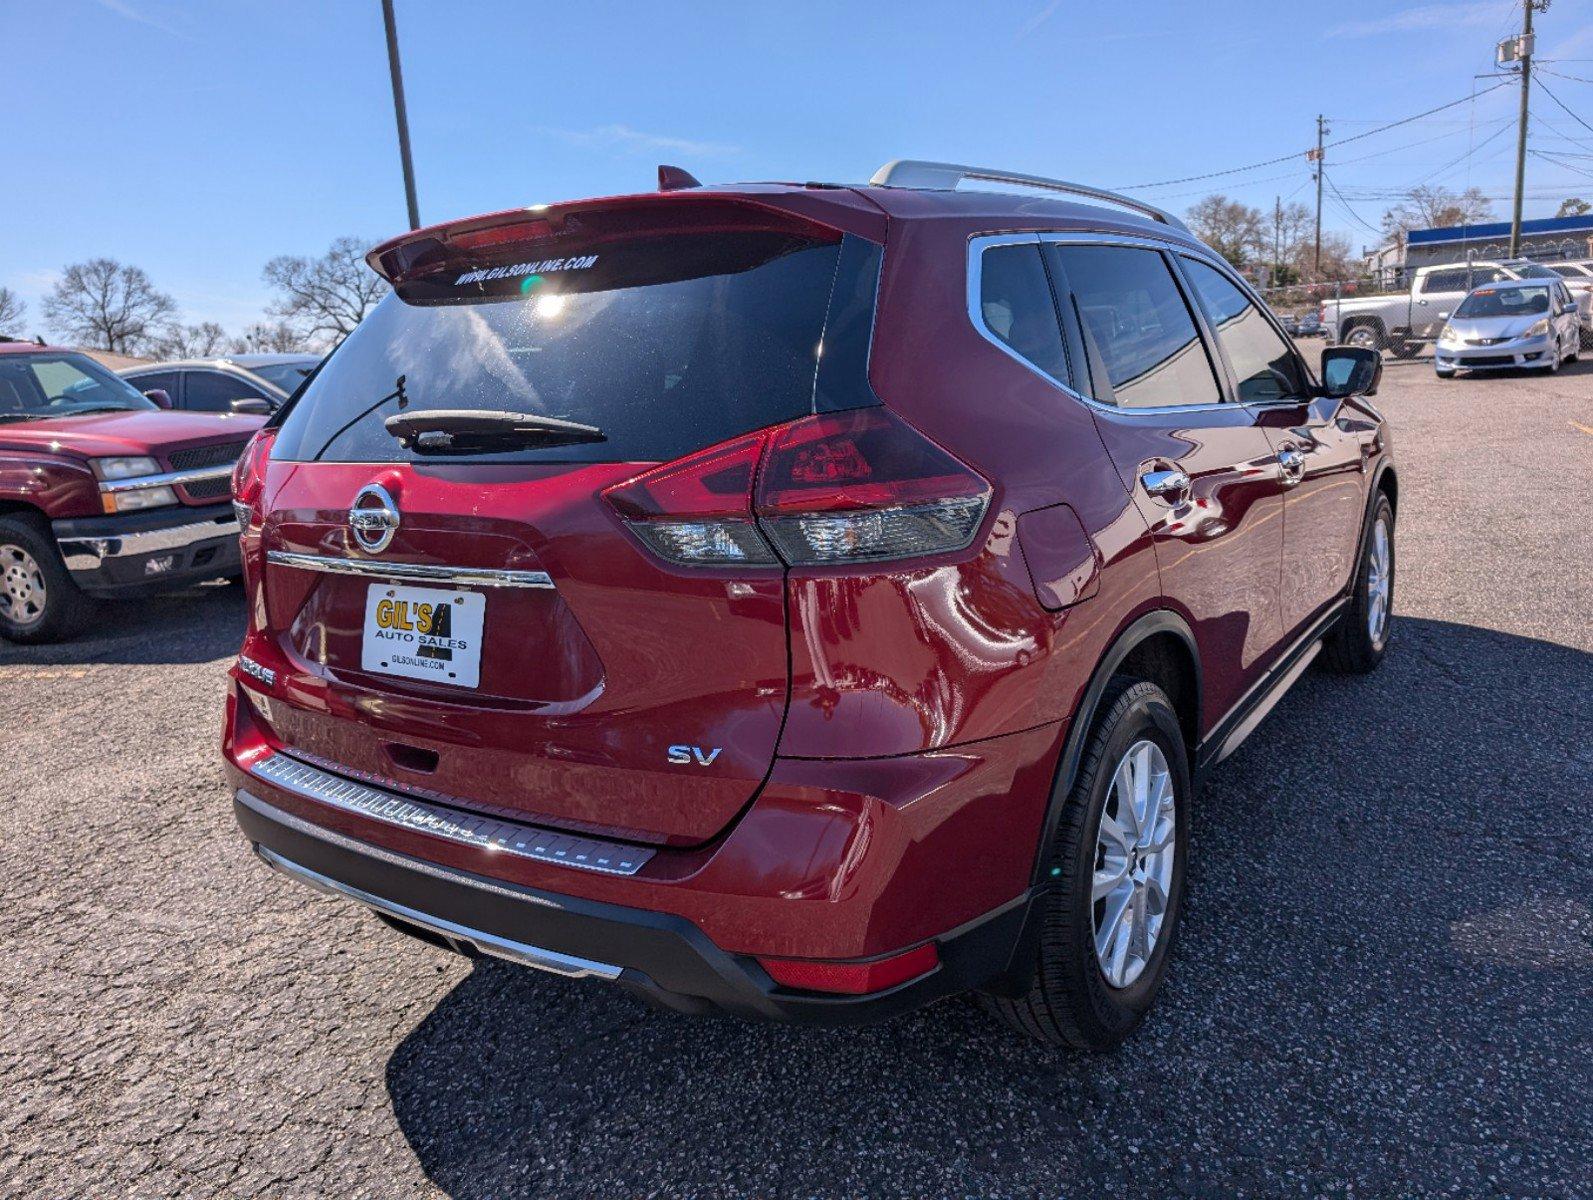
x=142, y=498
x=1539, y=329
x=133, y=499
x=123, y=468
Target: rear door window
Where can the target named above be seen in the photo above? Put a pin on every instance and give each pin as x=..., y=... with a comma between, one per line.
x=1262, y=362
x=666, y=342
x=1016, y=305
x=214, y=391
x=1138, y=328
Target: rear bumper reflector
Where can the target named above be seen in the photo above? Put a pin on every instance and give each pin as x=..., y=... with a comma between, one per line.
x=852, y=978
x=371, y=568
x=481, y=833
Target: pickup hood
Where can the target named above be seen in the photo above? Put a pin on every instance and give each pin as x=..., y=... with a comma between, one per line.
x=98, y=435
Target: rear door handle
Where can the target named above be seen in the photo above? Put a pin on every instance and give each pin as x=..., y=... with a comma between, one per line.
x=1166, y=484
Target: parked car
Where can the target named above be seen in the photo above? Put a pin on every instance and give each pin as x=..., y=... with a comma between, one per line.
x=1304, y=325
x=1578, y=276
x=1405, y=322
x=1531, y=324
x=600, y=622
x=102, y=494
x=247, y=383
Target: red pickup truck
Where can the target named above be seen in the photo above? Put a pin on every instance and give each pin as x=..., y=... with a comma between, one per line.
x=102, y=493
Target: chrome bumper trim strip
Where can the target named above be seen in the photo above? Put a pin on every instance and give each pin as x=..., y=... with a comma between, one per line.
x=481, y=833
x=166, y=479
x=85, y=553
x=370, y=568
x=460, y=936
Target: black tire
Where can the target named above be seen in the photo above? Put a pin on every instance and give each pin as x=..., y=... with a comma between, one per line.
x=1352, y=648
x=26, y=540
x=1441, y=374
x=1369, y=335
x=1070, y=1002
x=1400, y=348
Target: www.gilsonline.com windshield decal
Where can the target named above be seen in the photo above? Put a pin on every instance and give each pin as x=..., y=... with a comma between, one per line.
x=546, y=266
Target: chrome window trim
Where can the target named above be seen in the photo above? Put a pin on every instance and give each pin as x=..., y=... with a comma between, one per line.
x=416, y=572
x=979, y=244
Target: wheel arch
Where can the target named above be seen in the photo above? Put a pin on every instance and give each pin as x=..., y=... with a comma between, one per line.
x=21, y=508
x=1158, y=646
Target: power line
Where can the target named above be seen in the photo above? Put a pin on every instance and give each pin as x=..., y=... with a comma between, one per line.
x=1561, y=103
x=1353, y=214
x=1282, y=158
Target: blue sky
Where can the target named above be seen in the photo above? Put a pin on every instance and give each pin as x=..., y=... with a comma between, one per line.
x=199, y=139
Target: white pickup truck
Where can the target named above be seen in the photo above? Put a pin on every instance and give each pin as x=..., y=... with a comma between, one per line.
x=1404, y=322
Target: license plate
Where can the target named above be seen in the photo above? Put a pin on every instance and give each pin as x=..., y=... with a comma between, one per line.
x=424, y=633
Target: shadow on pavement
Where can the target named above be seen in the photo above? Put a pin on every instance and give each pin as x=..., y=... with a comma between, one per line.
x=1364, y=990
x=197, y=624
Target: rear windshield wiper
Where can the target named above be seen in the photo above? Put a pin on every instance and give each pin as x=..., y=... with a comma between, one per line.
x=466, y=430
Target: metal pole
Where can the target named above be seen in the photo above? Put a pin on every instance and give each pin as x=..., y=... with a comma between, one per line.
x=1277, y=240
x=401, y=113
x=1521, y=136
x=1321, y=131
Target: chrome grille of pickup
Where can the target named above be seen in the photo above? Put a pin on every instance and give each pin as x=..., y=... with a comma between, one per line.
x=482, y=833
x=205, y=456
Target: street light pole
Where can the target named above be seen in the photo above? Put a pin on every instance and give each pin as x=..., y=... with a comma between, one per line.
x=401, y=113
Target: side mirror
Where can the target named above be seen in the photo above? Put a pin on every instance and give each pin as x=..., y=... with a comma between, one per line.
x=1351, y=371
x=253, y=406
x=159, y=397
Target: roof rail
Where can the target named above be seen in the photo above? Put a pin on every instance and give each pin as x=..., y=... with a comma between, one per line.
x=912, y=173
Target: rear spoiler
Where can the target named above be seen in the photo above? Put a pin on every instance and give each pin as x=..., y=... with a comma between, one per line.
x=555, y=230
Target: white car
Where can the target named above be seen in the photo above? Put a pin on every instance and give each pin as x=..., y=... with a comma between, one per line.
x=1527, y=323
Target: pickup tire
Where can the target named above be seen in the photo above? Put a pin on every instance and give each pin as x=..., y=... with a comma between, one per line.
x=38, y=600
x=1072, y=999
x=1401, y=348
x=1367, y=333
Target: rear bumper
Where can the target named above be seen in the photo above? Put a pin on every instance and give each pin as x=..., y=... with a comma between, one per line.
x=660, y=955
x=149, y=551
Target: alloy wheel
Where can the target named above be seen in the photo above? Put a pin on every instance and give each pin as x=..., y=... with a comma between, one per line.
x=1134, y=854
x=22, y=591
x=1379, y=583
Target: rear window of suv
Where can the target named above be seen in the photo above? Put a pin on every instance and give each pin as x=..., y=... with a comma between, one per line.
x=665, y=343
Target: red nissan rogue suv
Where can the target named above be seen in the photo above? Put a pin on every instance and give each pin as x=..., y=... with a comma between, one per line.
x=799, y=600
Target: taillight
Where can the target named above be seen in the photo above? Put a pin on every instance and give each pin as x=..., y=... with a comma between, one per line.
x=862, y=486
x=248, y=475
x=698, y=510
x=858, y=486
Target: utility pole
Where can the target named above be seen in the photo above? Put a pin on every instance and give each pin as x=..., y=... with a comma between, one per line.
x=401, y=113
x=1524, y=53
x=1277, y=240
x=1321, y=133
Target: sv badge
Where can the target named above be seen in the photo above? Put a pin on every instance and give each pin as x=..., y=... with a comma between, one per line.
x=686, y=755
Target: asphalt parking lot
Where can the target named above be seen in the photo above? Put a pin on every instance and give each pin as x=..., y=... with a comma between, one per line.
x=1384, y=985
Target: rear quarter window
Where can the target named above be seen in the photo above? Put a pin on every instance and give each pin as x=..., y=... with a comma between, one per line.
x=665, y=343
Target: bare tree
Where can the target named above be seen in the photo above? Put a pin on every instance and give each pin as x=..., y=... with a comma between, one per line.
x=12, y=312
x=268, y=337
x=1574, y=206
x=107, y=305
x=204, y=340
x=1234, y=230
x=1435, y=208
x=324, y=298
